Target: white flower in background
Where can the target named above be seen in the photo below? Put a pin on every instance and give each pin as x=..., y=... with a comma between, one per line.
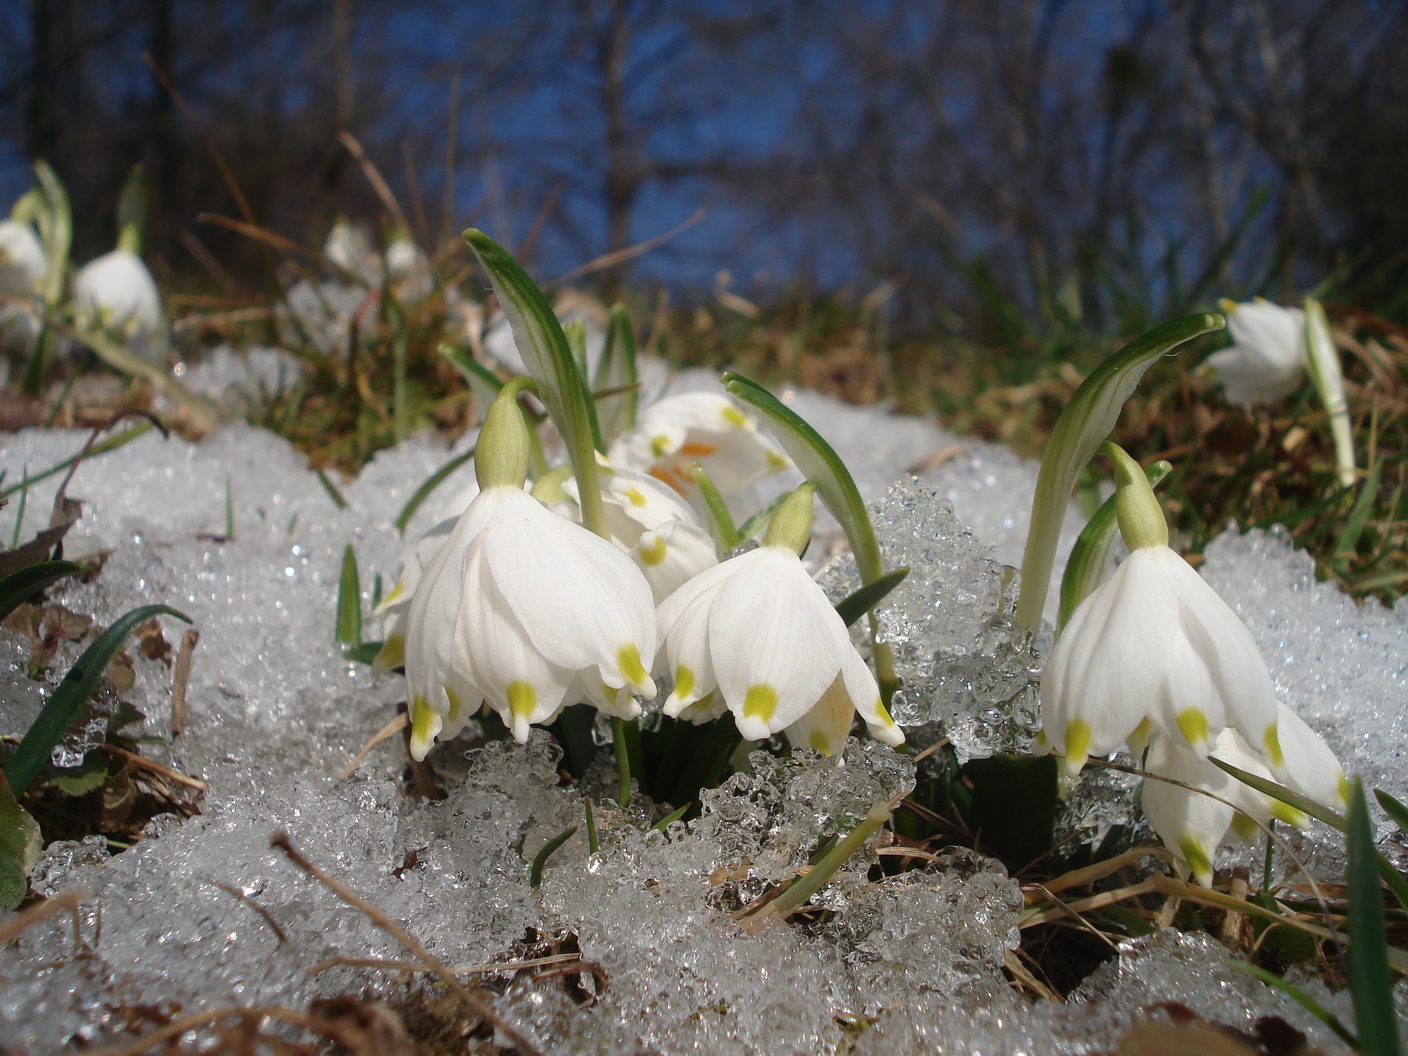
x=408, y=270
x=657, y=528
x=522, y=609
x=348, y=248
x=1266, y=359
x=757, y=635
x=704, y=427
x=116, y=293
x=1192, y=825
x=1154, y=642
x=23, y=261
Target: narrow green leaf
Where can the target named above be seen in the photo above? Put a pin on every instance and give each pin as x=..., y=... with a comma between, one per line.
x=69, y=696
x=430, y=484
x=365, y=653
x=1082, y=427
x=1301, y=998
x=1396, y=809
x=20, y=509
x=482, y=381
x=1094, y=551
x=230, y=508
x=541, y=342
x=535, y=875
x=1369, y=980
x=1358, y=518
x=337, y=497
x=618, y=371
x=102, y=446
x=859, y=602
x=821, y=466
x=349, y=601
x=20, y=847
x=1323, y=363
x=724, y=531
x=19, y=586
x=1266, y=787
x=592, y=845
x=672, y=817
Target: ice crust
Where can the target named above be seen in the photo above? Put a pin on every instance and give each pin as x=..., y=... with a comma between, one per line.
x=910, y=964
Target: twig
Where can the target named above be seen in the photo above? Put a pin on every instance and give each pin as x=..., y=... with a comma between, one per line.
x=606, y=260
x=480, y=1008
x=230, y=889
x=394, y=726
x=374, y=177
x=10, y=929
x=143, y=763
x=463, y=969
x=180, y=678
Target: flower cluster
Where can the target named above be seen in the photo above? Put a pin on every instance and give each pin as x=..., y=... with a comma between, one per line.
x=510, y=602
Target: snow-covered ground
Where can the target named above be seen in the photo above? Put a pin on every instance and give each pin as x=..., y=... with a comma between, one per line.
x=275, y=714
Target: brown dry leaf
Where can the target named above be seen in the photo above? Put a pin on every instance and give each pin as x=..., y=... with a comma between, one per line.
x=152, y=643
x=363, y=1028
x=121, y=672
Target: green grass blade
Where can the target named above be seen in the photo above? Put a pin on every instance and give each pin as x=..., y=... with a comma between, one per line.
x=618, y=371
x=1323, y=361
x=1369, y=980
x=1281, y=793
x=540, y=340
x=333, y=493
x=1396, y=809
x=349, y=601
x=482, y=381
x=719, y=516
x=429, y=485
x=101, y=447
x=20, y=585
x=540, y=860
x=1301, y=998
x=1082, y=427
x=1358, y=518
x=821, y=466
x=69, y=696
x=1094, y=550
x=859, y=602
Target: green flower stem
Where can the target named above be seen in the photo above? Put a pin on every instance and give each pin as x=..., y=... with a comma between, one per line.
x=722, y=520
x=801, y=889
x=824, y=469
x=1324, y=366
x=626, y=740
x=1083, y=425
x=549, y=359
x=54, y=218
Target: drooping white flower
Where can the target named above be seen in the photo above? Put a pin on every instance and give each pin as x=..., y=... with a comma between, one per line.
x=1154, y=642
x=1266, y=359
x=23, y=261
x=116, y=293
x=408, y=270
x=522, y=609
x=657, y=528
x=348, y=248
x=704, y=427
x=756, y=634
x=1192, y=825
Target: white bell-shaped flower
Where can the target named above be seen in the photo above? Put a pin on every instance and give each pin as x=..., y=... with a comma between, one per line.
x=116, y=293
x=408, y=270
x=657, y=528
x=1193, y=825
x=23, y=261
x=757, y=635
x=522, y=609
x=1266, y=360
x=704, y=427
x=1154, y=642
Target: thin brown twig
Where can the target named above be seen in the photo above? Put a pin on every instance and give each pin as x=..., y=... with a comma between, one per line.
x=394, y=726
x=374, y=177
x=607, y=260
x=10, y=929
x=478, y=1006
x=230, y=889
x=180, y=679
x=463, y=969
x=143, y=763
